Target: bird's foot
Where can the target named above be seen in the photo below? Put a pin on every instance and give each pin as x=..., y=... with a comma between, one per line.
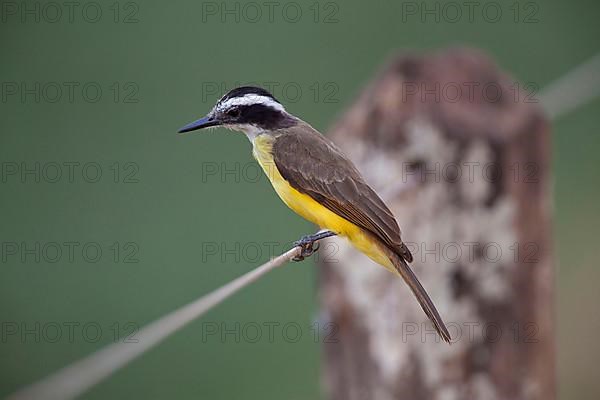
x=307, y=244
x=307, y=249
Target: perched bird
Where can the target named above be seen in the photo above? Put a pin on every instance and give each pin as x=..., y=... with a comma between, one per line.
x=316, y=180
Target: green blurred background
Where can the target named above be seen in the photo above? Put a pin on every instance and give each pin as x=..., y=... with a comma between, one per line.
x=160, y=65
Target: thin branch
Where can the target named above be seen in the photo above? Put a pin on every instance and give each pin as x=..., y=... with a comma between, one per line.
x=75, y=379
x=574, y=89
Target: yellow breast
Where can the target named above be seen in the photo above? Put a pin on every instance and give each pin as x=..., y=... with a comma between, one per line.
x=299, y=202
x=310, y=209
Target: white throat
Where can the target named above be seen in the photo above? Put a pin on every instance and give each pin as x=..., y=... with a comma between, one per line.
x=251, y=131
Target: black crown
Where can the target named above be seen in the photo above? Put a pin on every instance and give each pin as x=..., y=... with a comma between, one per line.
x=244, y=90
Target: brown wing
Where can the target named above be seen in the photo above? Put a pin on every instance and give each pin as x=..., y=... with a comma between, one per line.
x=313, y=165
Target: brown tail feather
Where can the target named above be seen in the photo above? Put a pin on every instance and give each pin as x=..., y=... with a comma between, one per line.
x=426, y=304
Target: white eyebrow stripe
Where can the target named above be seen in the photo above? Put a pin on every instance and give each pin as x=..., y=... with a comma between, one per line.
x=250, y=99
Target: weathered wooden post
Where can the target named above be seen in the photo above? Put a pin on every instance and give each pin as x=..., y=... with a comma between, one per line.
x=461, y=153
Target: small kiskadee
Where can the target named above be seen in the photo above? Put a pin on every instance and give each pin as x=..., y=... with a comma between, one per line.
x=317, y=181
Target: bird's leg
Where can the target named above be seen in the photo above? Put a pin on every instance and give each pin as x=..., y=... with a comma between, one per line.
x=307, y=243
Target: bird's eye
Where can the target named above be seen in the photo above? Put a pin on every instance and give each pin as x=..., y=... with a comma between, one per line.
x=234, y=112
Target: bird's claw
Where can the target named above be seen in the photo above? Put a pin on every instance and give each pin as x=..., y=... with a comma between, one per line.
x=308, y=247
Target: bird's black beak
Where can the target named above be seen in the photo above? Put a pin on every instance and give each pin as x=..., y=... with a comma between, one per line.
x=200, y=124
